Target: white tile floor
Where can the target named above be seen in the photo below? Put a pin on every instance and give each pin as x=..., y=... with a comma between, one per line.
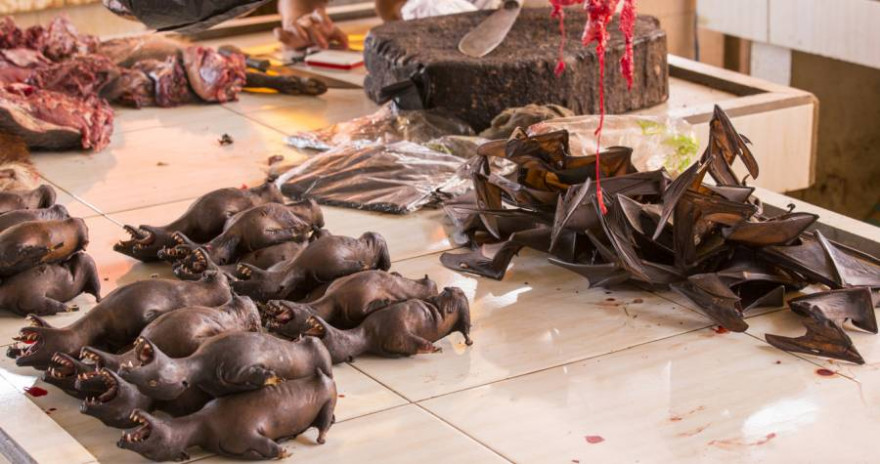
x=558, y=373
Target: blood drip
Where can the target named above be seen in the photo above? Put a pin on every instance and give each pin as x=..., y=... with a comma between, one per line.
x=599, y=14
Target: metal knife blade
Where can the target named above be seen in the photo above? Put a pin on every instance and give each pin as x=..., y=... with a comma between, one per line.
x=484, y=38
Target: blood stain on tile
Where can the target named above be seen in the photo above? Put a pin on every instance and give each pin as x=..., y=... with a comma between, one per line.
x=35, y=391
x=825, y=372
x=594, y=439
x=720, y=330
x=739, y=443
x=695, y=431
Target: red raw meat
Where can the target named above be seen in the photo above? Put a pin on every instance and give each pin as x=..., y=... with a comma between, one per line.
x=80, y=76
x=132, y=88
x=214, y=77
x=53, y=120
x=169, y=79
x=58, y=41
x=19, y=64
x=10, y=35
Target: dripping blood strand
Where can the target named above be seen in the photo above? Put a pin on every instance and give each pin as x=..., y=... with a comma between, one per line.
x=599, y=14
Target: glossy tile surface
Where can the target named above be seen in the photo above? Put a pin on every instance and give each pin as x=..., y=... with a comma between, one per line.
x=402, y=435
x=305, y=113
x=161, y=165
x=699, y=397
x=538, y=317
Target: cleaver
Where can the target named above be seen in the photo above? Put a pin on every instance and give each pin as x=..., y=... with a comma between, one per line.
x=491, y=32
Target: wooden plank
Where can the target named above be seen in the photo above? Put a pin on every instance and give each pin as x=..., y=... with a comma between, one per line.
x=846, y=29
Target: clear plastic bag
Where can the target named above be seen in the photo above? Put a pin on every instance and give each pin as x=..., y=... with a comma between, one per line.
x=396, y=178
x=385, y=126
x=657, y=142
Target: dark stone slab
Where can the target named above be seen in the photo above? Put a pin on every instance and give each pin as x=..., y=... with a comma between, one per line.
x=520, y=70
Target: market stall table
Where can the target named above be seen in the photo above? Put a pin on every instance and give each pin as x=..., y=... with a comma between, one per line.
x=557, y=372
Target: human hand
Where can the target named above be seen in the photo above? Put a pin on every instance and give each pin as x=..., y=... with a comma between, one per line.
x=313, y=29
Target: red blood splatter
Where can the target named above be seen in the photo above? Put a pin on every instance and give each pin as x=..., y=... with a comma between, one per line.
x=35, y=391
x=599, y=14
x=609, y=299
x=720, y=330
x=825, y=372
x=731, y=444
x=243, y=186
x=627, y=26
x=594, y=439
x=341, y=395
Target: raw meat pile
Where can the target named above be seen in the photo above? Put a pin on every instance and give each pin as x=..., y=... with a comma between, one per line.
x=198, y=351
x=55, y=84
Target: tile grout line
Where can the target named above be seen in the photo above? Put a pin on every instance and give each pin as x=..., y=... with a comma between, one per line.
x=416, y=404
x=405, y=398
x=454, y=427
x=94, y=208
x=562, y=364
x=279, y=131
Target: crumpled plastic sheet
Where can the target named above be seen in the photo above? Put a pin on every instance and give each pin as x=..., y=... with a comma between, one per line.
x=657, y=142
x=184, y=16
x=397, y=178
x=385, y=126
x=415, y=9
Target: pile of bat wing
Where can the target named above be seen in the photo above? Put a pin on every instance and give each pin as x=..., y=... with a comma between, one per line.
x=196, y=349
x=43, y=264
x=711, y=243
